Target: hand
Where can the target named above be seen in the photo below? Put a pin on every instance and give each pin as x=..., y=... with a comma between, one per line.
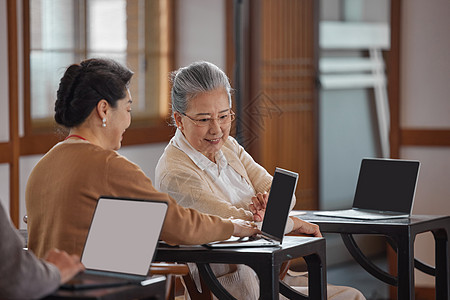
x=303, y=227
x=68, y=265
x=244, y=228
x=258, y=206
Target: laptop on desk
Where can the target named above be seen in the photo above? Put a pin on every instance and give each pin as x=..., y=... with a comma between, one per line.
x=385, y=190
x=281, y=192
x=121, y=243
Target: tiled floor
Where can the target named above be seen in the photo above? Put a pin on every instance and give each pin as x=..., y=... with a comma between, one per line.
x=352, y=274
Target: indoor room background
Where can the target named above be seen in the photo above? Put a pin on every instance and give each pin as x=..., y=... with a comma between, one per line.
x=347, y=125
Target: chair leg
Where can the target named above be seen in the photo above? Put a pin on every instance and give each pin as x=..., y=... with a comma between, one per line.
x=170, y=287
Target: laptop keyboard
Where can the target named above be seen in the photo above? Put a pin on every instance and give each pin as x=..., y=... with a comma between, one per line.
x=359, y=214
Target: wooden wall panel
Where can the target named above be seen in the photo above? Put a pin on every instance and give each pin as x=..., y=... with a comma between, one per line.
x=13, y=111
x=282, y=105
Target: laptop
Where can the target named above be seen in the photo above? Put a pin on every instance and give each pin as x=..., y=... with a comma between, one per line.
x=385, y=190
x=281, y=192
x=121, y=243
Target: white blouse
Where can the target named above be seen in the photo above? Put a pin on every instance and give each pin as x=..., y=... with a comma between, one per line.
x=220, y=172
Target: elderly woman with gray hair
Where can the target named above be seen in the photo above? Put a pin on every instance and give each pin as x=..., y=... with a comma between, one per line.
x=204, y=168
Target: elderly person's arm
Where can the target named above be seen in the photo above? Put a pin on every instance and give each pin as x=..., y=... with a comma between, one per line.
x=190, y=190
x=182, y=225
x=259, y=177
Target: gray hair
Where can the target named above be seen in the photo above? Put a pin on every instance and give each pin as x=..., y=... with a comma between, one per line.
x=199, y=77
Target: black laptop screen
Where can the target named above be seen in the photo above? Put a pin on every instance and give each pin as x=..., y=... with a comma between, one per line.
x=386, y=185
x=278, y=205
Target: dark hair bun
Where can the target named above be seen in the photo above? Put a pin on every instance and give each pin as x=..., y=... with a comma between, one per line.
x=64, y=95
x=84, y=85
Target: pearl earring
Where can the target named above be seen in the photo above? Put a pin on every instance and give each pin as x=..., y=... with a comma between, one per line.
x=104, y=122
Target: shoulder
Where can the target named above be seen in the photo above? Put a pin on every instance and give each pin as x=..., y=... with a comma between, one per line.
x=174, y=163
x=85, y=155
x=174, y=158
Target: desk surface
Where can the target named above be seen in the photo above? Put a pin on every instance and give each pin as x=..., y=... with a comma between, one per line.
x=202, y=254
x=347, y=225
x=265, y=261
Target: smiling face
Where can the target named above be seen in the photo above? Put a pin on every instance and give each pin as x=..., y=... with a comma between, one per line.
x=208, y=139
x=120, y=117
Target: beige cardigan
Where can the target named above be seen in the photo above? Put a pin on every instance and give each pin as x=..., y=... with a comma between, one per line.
x=177, y=175
x=64, y=186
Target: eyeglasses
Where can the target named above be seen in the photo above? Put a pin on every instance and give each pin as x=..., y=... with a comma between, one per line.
x=223, y=119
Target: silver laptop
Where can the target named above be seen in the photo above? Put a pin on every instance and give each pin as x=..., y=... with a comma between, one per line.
x=281, y=192
x=121, y=243
x=385, y=190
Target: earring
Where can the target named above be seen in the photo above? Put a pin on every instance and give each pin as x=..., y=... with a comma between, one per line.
x=104, y=122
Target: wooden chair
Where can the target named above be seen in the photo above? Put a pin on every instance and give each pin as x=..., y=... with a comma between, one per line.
x=173, y=272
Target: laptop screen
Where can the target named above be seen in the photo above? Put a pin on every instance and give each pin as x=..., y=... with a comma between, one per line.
x=123, y=236
x=386, y=185
x=279, y=202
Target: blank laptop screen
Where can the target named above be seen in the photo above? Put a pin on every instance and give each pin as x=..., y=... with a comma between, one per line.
x=123, y=235
x=278, y=205
x=386, y=185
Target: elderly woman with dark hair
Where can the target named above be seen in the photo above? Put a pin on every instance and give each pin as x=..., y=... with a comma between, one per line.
x=94, y=103
x=203, y=167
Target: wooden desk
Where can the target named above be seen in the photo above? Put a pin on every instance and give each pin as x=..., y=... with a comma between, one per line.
x=155, y=290
x=401, y=233
x=265, y=261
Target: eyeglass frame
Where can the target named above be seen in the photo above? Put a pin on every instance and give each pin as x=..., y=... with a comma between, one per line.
x=232, y=116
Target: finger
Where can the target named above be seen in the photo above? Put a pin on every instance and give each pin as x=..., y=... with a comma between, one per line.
x=252, y=208
x=257, y=218
x=255, y=203
x=259, y=201
x=263, y=200
x=317, y=233
x=266, y=198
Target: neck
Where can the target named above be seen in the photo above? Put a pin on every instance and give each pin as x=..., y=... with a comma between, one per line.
x=84, y=134
x=211, y=157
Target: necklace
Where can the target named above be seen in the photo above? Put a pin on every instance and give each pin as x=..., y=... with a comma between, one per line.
x=75, y=136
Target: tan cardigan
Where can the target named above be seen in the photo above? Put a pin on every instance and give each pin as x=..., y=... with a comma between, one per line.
x=64, y=186
x=191, y=187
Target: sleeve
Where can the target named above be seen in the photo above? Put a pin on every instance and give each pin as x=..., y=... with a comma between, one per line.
x=259, y=177
x=23, y=276
x=182, y=225
x=190, y=190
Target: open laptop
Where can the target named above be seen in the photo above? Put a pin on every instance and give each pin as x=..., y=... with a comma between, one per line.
x=121, y=243
x=281, y=192
x=385, y=190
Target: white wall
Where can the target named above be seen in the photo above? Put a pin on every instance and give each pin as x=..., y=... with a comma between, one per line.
x=425, y=73
x=201, y=32
x=4, y=107
x=425, y=103
x=4, y=88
